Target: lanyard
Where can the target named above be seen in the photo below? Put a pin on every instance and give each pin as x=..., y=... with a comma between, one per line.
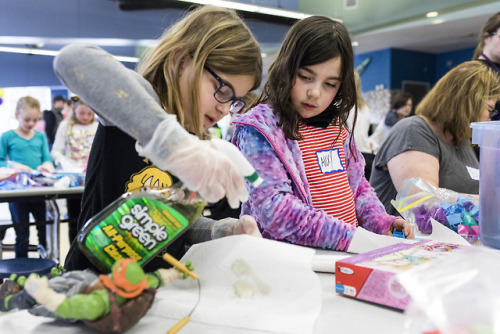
x=488, y=60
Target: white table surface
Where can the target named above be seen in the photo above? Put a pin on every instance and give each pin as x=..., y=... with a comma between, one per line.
x=339, y=314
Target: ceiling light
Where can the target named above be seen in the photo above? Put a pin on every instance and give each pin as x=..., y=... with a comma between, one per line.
x=432, y=14
x=54, y=53
x=252, y=8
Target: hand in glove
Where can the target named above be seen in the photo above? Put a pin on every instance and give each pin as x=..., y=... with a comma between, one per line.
x=197, y=163
x=38, y=288
x=232, y=226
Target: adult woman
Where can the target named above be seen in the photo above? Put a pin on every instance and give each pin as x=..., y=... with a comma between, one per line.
x=435, y=144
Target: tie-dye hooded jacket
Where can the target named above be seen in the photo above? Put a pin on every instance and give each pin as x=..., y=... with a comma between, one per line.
x=282, y=204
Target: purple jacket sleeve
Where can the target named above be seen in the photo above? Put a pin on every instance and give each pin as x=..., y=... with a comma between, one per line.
x=370, y=211
x=278, y=207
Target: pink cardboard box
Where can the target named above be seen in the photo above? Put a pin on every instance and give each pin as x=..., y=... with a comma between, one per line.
x=371, y=276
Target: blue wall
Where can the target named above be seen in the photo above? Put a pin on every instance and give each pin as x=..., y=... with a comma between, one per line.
x=378, y=70
x=446, y=61
x=90, y=19
x=391, y=67
x=413, y=66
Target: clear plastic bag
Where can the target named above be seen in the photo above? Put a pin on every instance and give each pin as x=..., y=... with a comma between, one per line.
x=456, y=294
x=418, y=201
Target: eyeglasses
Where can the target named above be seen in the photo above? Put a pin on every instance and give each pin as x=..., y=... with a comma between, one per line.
x=225, y=93
x=492, y=111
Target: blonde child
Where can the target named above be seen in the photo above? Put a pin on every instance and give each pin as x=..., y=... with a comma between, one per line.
x=26, y=150
x=71, y=150
x=202, y=68
x=74, y=138
x=314, y=191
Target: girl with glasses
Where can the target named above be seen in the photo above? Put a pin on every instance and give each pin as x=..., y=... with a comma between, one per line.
x=153, y=120
x=314, y=191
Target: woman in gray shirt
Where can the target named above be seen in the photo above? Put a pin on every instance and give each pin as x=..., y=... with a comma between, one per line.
x=435, y=144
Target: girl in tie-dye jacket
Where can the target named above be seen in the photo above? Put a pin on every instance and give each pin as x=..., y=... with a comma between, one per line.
x=310, y=85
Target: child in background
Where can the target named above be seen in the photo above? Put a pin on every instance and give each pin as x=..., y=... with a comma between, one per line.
x=314, y=191
x=71, y=150
x=202, y=68
x=74, y=138
x=401, y=107
x=27, y=150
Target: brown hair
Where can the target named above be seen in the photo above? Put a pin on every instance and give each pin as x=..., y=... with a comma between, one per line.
x=211, y=36
x=399, y=99
x=489, y=28
x=460, y=97
x=310, y=41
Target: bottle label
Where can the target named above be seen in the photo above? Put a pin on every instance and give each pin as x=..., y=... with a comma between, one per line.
x=138, y=229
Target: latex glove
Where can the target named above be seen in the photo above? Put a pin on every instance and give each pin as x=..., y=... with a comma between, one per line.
x=197, y=163
x=231, y=226
x=38, y=288
x=400, y=224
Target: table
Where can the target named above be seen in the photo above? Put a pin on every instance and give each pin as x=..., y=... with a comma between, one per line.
x=49, y=194
x=339, y=314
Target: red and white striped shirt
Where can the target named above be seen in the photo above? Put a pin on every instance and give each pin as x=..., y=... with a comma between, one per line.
x=326, y=171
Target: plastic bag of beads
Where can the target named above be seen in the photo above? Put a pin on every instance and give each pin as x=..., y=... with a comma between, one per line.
x=418, y=201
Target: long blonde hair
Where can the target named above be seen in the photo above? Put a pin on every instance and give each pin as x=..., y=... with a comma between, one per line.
x=209, y=35
x=460, y=97
x=359, y=98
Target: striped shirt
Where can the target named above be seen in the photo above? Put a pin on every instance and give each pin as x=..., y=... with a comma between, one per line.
x=326, y=171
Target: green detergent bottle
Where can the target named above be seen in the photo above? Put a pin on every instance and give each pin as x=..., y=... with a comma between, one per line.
x=139, y=226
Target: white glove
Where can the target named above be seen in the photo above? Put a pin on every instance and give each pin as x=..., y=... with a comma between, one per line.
x=38, y=288
x=197, y=163
x=232, y=226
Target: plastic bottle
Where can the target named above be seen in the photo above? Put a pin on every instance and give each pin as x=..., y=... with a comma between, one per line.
x=239, y=160
x=487, y=136
x=139, y=225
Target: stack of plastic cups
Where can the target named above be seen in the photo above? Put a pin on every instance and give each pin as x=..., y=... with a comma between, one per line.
x=487, y=136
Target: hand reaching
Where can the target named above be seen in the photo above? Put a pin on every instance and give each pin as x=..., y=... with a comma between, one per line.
x=399, y=224
x=231, y=226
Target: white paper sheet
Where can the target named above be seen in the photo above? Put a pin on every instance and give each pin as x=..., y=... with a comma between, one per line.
x=365, y=241
x=286, y=292
x=444, y=234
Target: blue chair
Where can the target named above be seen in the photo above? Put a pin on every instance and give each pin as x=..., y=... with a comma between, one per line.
x=25, y=266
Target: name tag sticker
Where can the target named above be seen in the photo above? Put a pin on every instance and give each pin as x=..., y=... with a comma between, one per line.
x=329, y=161
x=473, y=172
